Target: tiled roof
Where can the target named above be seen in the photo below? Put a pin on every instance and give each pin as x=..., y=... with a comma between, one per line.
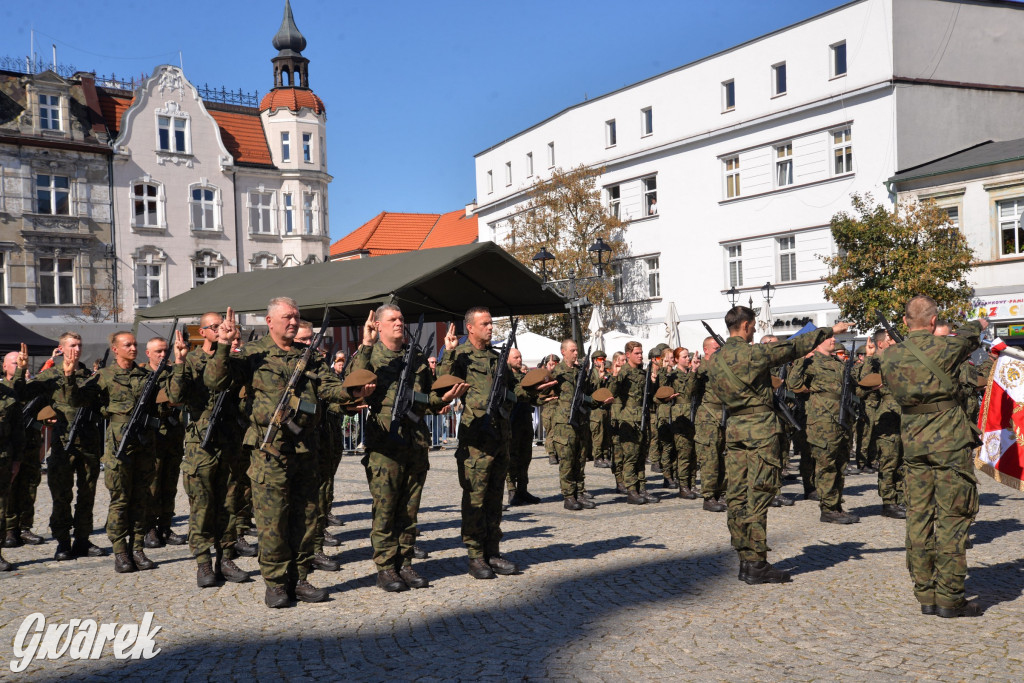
x=292, y=98
x=987, y=153
x=393, y=233
x=244, y=137
x=113, y=104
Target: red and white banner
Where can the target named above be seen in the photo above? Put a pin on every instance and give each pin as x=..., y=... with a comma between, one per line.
x=1001, y=454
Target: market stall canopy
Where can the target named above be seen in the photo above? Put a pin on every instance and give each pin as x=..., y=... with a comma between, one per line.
x=440, y=283
x=13, y=334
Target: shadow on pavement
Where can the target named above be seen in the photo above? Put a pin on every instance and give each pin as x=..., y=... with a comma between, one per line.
x=988, y=530
x=825, y=555
x=1003, y=582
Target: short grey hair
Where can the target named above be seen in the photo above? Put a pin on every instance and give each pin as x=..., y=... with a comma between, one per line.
x=281, y=301
x=383, y=308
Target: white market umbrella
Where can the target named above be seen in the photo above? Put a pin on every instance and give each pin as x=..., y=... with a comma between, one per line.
x=596, y=329
x=672, y=326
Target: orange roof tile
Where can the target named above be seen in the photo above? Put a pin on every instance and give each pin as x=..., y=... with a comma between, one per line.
x=292, y=98
x=452, y=229
x=243, y=136
x=394, y=233
x=113, y=104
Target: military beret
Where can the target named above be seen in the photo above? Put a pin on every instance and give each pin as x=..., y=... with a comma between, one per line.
x=47, y=413
x=535, y=378
x=776, y=382
x=861, y=350
x=602, y=395
x=445, y=382
x=598, y=354
x=870, y=381
x=358, y=378
x=663, y=393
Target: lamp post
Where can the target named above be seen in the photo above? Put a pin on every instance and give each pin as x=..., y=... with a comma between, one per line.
x=734, y=295
x=599, y=253
x=767, y=290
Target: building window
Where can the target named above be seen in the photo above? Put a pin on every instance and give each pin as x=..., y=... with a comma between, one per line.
x=1010, y=231
x=289, y=214
x=650, y=185
x=729, y=95
x=615, y=201
x=263, y=261
x=205, y=267
x=490, y=182
x=307, y=147
x=261, y=214
x=953, y=216
x=617, y=291
x=4, y=279
x=551, y=155
x=308, y=216
x=735, y=257
x=203, y=208
x=508, y=173
x=145, y=205
x=173, y=134
x=732, y=177
x=842, y=151
x=646, y=121
x=787, y=258
x=784, y=165
x=609, y=133
x=56, y=281
x=52, y=195
x=49, y=112
x=838, y=59
x=778, y=79
x=529, y=164
x=286, y=147
x=653, y=277
x=149, y=284
x=204, y=274
x=323, y=153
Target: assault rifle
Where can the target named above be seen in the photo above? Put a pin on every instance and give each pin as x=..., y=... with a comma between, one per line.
x=83, y=414
x=218, y=408
x=291, y=402
x=28, y=413
x=698, y=396
x=893, y=334
x=779, y=400
x=721, y=342
x=576, y=407
x=140, y=418
x=499, y=385
x=847, y=408
x=645, y=404
x=404, y=399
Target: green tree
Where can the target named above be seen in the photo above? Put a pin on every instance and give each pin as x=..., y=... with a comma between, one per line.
x=565, y=215
x=886, y=257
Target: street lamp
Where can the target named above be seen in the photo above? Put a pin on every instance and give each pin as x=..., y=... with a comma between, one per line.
x=767, y=290
x=734, y=295
x=599, y=253
x=543, y=256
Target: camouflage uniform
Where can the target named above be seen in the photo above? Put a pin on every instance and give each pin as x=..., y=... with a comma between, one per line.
x=482, y=455
x=521, y=447
x=547, y=414
x=616, y=442
x=870, y=400
x=170, y=445
x=396, y=464
x=829, y=441
x=942, y=491
x=967, y=376
x=661, y=417
x=210, y=475
x=685, y=470
x=570, y=440
x=885, y=436
x=21, y=502
x=800, y=445
x=628, y=388
x=709, y=439
x=12, y=439
x=600, y=428
x=285, y=488
x=740, y=373
x=70, y=466
x=330, y=460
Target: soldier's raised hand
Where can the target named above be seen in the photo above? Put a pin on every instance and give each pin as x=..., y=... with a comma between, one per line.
x=180, y=347
x=451, y=340
x=228, y=331
x=71, y=360
x=370, y=329
x=457, y=391
x=23, y=356
x=840, y=327
x=365, y=390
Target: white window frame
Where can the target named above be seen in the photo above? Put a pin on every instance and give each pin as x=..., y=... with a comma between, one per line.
x=611, y=137
x=57, y=274
x=614, y=194
x=786, y=248
x=208, y=261
x=841, y=142
x=307, y=148
x=286, y=146
x=726, y=86
x=777, y=69
x=783, y=164
x=1010, y=221
x=952, y=215
x=50, y=107
x=734, y=265
x=652, y=264
x=52, y=192
x=646, y=121
x=288, y=207
x=529, y=164
x=833, y=54
x=172, y=127
x=731, y=171
x=150, y=258
x=551, y=154
x=5, y=277
x=264, y=260
x=157, y=201
x=214, y=207
x=490, y=182
x=267, y=210
x=323, y=153
x=649, y=186
x=310, y=213
x=508, y=174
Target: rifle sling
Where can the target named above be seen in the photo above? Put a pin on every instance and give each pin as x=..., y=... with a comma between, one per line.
x=944, y=379
x=732, y=375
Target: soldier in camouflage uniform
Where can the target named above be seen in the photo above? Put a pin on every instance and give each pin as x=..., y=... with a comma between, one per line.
x=942, y=491
x=285, y=480
x=741, y=376
x=684, y=386
x=600, y=429
x=12, y=435
x=709, y=436
x=822, y=373
x=170, y=445
x=628, y=387
x=210, y=475
x=396, y=455
x=21, y=499
x=885, y=436
x=547, y=413
x=70, y=466
x=662, y=417
x=521, y=446
x=618, y=360
x=482, y=455
x=869, y=400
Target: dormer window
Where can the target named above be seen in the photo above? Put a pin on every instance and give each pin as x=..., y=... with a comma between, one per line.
x=49, y=112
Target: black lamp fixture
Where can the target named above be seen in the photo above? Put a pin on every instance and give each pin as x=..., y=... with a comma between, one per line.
x=543, y=256
x=734, y=295
x=767, y=290
x=599, y=255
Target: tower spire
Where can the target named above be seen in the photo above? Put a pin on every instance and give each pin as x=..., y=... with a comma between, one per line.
x=288, y=40
x=291, y=69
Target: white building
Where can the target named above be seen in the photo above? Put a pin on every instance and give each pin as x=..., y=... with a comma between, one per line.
x=748, y=153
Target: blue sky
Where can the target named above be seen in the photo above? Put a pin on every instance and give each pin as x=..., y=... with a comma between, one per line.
x=413, y=89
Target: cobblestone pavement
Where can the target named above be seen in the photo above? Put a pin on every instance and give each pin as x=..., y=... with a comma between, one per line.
x=616, y=593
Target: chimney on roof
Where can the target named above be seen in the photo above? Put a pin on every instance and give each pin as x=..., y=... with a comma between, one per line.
x=470, y=209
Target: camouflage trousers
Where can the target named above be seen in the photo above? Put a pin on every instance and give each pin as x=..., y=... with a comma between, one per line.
x=327, y=463
x=396, y=488
x=243, y=513
x=942, y=499
x=830, y=472
x=891, y=472
x=285, y=493
x=569, y=449
x=685, y=470
x=633, y=475
x=710, y=444
x=520, y=456
x=211, y=482
x=547, y=416
x=21, y=502
x=600, y=438
x=170, y=450
x=68, y=474
x=130, y=483
x=806, y=462
x=616, y=454
x=482, y=467
x=754, y=474
x=655, y=444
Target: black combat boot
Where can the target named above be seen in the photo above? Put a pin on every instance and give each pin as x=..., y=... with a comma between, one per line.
x=331, y=541
x=894, y=511
x=687, y=493
x=635, y=498
x=31, y=538
x=712, y=505
x=838, y=517
x=650, y=497
x=389, y=581
x=324, y=563
x=419, y=553
x=763, y=572
x=586, y=503
x=13, y=540
x=479, y=569
x=411, y=578
x=153, y=539
x=246, y=549
x=584, y=494
x=502, y=566
x=552, y=459
x=5, y=566
x=620, y=486
x=334, y=520
x=572, y=504
x=276, y=597
x=966, y=609
x=172, y=538
x=123, y=563
x=307, y=592
x=528, y=497
x=85, y=548
x=64, y=551
x=929, y=610
x=231, y=571
x=744, y=568
x=143, y=562
x=205, y=578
